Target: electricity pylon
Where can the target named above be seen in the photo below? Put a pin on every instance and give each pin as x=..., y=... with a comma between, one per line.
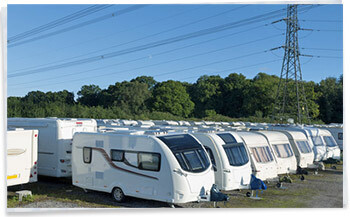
x=290, y=101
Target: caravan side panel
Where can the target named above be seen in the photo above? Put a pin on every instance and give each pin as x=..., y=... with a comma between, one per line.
x=21, y=157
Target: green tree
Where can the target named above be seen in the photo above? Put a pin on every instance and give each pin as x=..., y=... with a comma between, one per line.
x=206, y=93
x=235, y=90
x=171, y=96
x=89, y=95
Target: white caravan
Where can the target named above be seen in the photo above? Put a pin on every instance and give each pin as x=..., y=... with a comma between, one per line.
x=301, y=148
x=318, y=149
x=282, y=151
x=230, y=159
x=337, y=133
x=333, y=151
x=55, y=141
x=172, y=168
x=22, y=156
x=264, y=165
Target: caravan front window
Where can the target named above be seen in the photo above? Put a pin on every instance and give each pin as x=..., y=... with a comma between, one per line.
x=262, y=154
x=304, y=147
x=227, y=138
x=283, y=150
x=211, y=155
x=188, y=152
x=329, y=141
x=193, y=160
x=317, y=140
x=236, y=154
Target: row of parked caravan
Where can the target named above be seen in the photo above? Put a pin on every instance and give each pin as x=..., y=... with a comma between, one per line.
x=174, y=162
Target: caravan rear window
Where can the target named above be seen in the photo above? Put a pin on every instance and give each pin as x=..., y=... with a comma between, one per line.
x=189, y=153
x=304, y=147
x=283, y=150
x=330, y=142
x=262, y=154
x=236, y=154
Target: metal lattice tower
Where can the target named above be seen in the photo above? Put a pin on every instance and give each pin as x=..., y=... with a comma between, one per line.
x=290, y=99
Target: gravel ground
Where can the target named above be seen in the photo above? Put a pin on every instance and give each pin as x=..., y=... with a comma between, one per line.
x=322, y=190
x=50, y=204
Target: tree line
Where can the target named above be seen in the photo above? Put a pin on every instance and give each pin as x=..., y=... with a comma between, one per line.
x=232, y=98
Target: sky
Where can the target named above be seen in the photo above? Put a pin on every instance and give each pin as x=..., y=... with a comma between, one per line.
x=242, y=49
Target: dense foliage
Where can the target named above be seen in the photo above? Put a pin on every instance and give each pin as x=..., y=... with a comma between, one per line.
x=211, y=97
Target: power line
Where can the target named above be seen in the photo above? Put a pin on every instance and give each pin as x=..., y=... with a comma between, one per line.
x=142, y=38
x=98, y=19
x=161, y=63
x=175, y=39
x=58, y=22
x=330, y=21
x=111, y=34
x=327, y=49
x=167, y=73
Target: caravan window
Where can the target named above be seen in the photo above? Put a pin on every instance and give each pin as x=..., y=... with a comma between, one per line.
x=283, y=150
x=262, y=154
x=304, y=147
x=131, y=159
x=189, y=153
x=317, y=141
x=236, y=154
x=227, y=138
x=193, y=160
x=340, y=136
x=117, y=155
x=329, y=141
x=211, y=155
x=87, y=154
x=149, y=161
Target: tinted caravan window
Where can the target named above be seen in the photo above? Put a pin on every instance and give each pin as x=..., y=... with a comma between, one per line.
x=211, y=155
x=330, y=142
x=227, y=138
x=236, y=154
x=188, y=152
x=304, y=147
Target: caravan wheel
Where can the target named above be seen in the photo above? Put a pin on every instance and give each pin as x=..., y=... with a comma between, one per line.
x=118, y=195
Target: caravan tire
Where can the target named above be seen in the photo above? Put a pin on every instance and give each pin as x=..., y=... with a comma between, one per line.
x=118, y=195
x=248, y=194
